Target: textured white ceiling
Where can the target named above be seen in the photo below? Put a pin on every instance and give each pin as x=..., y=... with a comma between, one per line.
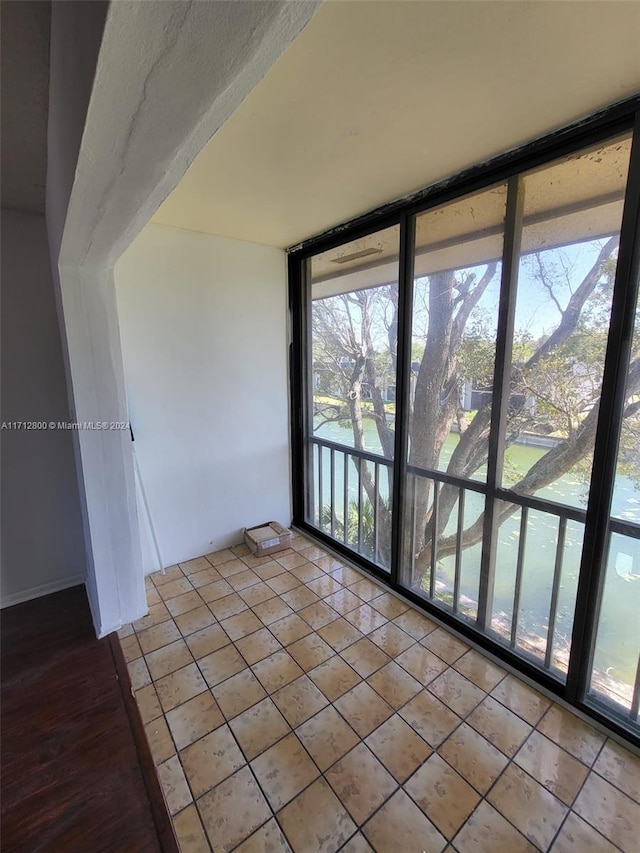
x=375, y=100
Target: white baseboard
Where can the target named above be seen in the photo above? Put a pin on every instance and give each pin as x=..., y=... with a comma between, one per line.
x=39, y=591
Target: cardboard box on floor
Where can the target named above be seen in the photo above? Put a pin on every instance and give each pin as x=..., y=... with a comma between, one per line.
x=267, y=538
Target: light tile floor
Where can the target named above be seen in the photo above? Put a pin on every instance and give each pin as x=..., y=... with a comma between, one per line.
x=291, y=704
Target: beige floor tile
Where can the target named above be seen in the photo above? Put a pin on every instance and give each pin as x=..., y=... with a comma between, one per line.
x=148, y=703
x=231, y=567
x=130, y=648
x=300, y=597
x=168, y=659
x=241, y=625
x=443, y=795
x=499, y=725
x=559, y=772
x=233, y=810
x=318, y=615
x=256, y=594
x=255, y=562
x=311, y=552
x=324, y=586
x=269, y=569
x=125, y=631
x=223, y=556
x=346, y=575
x=366, y=619
x=194, y=719
x=244, y=580
x=299, y=700
x=327, y=737
x=198, y=564
x=401, y=826
x=316, y=820
x=159, y=740
x=258, y=728
x=475, y=759
x=620, y=767
x=153, y=596
x=215, y=590
x=343, y=601
x=180, y=686
x=238, y=693
x=389, y=605
x=457, y=692
x=174, y=785
x=366, y=589
x=283, y=583
x=357, y=844
x=228, y=606
x=283, y=771
x=572, y=734
x=530, y=807
x=394, y=684
x=365, y=657
x=610, y=811
x=487, y=831
x=204, y=578
x=398, y=747
x=207, y=640
x=339, y=634
x=334, y=677
x=157, y=613
x=190, y=832
x=174, y=588
x=445, y=645
x=221, y=665
x=184, y=603
x=307, y=572
x=267, y=839
x=291, y=561
x=360, y=782
x=363, y=709
x=257, y=646
x=392, y=639
x=576, y=836
x=421, y=663
x=272, y=610
x=138, y=674
x=415, y=624
x=276, y=671
x=195, y=620
x=482, y=672
x=210, y=760
x=521, y=699
x=310, y=651
x=329, y=563
x=289, y=629
x=432, y=720
x=171, y=573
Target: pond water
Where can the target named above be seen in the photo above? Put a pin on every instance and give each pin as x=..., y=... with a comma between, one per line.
x=618, y=640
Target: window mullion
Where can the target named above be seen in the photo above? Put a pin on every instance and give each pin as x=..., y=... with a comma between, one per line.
x=500, y=396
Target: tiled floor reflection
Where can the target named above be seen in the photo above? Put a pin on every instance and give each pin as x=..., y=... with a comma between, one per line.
x=291, y=704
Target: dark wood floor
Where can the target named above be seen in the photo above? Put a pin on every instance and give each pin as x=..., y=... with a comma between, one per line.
x=74, y=774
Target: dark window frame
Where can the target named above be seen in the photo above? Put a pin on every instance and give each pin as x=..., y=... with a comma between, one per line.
x=506, y=168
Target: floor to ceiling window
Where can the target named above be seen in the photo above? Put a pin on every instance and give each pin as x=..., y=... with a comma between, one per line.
x=467, y=406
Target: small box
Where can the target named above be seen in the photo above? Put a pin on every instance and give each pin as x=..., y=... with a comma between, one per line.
x=267, y=538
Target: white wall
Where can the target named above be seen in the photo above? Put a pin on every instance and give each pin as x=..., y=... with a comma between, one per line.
x=203, y=323
x=42, y=537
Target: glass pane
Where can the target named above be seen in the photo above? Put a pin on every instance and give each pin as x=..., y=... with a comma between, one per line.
x=617, y=647
x=572, y=216
x=457, y=277
x=354, y=324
